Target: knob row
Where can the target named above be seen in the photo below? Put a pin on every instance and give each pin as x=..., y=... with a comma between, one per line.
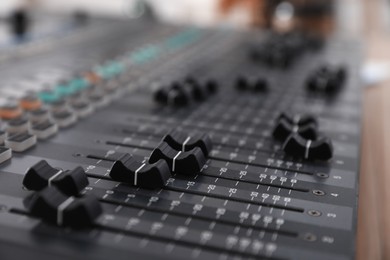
x=254, y=84
x=52, y=206
x=326, y=79
x=282, y=50
x=182, y=93
x=178, y=152
x=300, y=137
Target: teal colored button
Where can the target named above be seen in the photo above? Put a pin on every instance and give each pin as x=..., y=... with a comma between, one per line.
x=49, y=96
x=79, y=84
x=65, y=90
x=102, y=72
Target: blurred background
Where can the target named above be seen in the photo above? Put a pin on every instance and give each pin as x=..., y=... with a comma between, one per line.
x=233, y=13
x=367, y=19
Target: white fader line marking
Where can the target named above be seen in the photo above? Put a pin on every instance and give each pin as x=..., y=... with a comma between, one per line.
x=174, y=161
x=61, y=208
x=296, y=119
x=49, y=181
x=308, y=143
x=136, y=174
x=183, y=148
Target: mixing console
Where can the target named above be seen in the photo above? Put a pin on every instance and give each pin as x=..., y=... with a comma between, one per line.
x=147, y=141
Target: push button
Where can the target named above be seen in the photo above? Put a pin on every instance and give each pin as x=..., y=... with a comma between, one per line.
x=98, y=99
x=30, y=103
x=82, y=108
x=44, y=130
x=21, y=142
x=10, y=111
x=64, y=118
x=39, y=115
x=3, y=135
x=49, y=96
x=59, y=106
x=5, y=154
x=18, y=125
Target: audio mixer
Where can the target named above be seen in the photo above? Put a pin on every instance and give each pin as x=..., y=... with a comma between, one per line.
x=139, y=140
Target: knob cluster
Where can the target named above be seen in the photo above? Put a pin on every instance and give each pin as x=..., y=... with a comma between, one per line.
x=42, y=175
x=145, y=175
x=179, y=153
x=253, y=84
x=52, y=206
x=281, y=50
x=184, y=153
x=185, y=92
x=304, y=125
x=300, y=137
x=56, y=199
x=326, y=79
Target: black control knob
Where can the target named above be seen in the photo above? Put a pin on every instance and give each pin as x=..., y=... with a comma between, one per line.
x=326, y=80
x=186, y=163
x=298, y=119
x=320, y=149
x=57, y=208
x=242, y=83
x=161, y=95
x=174, y=95
x=254, y=84
x=260, y=85
x=42, y=175
x=211, y=85
x=284, y=129
x=184, y=92
x=151, y=176
x=182, y=141
x=198, y=91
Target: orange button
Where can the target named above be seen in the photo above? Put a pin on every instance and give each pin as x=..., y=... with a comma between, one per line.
x=10, y=112
x=30, y=103
x=92, y=77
